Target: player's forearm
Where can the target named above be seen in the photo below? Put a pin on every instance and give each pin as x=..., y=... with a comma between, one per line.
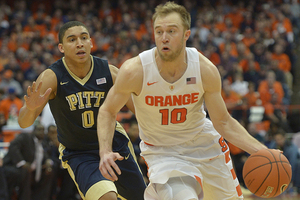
x=236, y=134
x=105, y=130
x=26, y=117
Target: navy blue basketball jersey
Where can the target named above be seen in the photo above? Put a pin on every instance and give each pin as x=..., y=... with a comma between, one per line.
x=75, y=107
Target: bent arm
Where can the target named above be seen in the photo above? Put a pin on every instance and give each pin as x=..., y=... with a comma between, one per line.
x=114, y=72
x=127, y=82
x=37, y=96
x=226, y=125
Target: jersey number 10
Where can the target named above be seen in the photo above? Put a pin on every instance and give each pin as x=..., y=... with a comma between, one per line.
x=176, y=116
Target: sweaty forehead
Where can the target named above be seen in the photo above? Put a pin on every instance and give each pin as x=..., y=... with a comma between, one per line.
x=172, y=19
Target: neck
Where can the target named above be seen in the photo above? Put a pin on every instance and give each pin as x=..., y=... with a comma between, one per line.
x=171, y=71
x=79, y=69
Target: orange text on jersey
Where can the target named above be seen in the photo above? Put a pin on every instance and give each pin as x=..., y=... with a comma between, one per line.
x=172, y=100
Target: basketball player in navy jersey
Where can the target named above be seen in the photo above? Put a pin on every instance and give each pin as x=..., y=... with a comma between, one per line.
x=75, y=87
x=186, y=153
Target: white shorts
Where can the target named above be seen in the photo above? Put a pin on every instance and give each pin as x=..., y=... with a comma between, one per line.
x=205, y=158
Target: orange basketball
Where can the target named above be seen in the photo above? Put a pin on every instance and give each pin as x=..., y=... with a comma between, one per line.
x=267, y=173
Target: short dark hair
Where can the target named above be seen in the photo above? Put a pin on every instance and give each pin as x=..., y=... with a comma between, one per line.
x=66, y=26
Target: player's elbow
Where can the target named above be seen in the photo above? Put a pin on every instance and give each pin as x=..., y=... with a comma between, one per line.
x=22, y=123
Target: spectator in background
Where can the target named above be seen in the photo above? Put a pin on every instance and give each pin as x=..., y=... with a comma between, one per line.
x=239, y=85
x=248, y=60
x=248, y=21
x=3, y=188
x=201, y=31
x=280, y=77
x=232, y=100
x=250, y=99
x=290, y=150
x=252, y=74
x=2, y=123
x=283, y=26
x=12, y=64
x=10, y=106
x=248, y=38
x=8, y=81
x=274, y=66
x=284, y=63
x=63, y=187
x=270, y=86
x=252, y=129
x=28, y=167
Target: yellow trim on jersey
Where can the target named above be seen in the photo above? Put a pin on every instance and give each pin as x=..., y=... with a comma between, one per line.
x=79, y=80
x=120, y=197
x=99, y=189
x=65, y=165
x=120, y=129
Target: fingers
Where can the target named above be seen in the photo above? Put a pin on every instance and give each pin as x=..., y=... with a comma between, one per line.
x=33, y=86
x=29, y=91
x=109, y=168
x=47, y=93
x=108, y=172
x=39, y=86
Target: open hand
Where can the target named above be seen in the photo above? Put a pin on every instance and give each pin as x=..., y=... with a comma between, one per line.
x=33, y=98
x=108, y=167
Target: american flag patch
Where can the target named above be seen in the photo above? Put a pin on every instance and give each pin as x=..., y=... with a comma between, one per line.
x=100, y=81
x=191, y=80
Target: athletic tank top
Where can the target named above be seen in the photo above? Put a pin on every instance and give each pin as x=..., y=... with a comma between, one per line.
x=77, y=102
x=170, y=113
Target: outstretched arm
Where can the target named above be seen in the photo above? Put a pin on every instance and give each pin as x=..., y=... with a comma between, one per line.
x=226, y=125
x=127, y=82
x=37, y=96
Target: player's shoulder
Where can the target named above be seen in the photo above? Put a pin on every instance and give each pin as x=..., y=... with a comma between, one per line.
x=132, y=64
x=207, y=67
x=133, y=61
x=48, y=74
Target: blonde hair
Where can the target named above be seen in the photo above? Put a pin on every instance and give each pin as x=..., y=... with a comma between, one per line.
x=171, y=7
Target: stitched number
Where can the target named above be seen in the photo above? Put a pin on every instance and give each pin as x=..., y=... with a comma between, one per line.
x=87, y=119
x=178, y=115
x=223, y=144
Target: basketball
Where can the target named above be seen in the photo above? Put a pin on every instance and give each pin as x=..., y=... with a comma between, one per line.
x=267, y=173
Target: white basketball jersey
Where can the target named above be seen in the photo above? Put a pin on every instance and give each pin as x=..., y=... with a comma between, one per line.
x=170, y=113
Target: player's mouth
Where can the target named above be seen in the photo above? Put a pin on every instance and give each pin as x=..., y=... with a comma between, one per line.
x=81, y=53
x=165, y=49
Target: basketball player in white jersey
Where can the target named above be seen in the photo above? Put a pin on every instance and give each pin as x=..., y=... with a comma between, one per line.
x=185, y=152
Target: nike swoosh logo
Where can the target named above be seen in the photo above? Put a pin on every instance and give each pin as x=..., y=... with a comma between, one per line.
x=151, y=83
x=126, y=157
x=63, y=83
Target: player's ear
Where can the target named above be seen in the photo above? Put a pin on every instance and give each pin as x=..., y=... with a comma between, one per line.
x=61, y=48
x=187, y=34
x=91, y=42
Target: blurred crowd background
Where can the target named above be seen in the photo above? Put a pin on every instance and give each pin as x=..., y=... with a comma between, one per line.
x=254, y=45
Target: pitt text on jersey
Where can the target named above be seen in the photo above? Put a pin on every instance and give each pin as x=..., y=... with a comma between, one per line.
x=86, y=100
x=77, y=99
